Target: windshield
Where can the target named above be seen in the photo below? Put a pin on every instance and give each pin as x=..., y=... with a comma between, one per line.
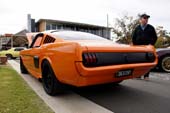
x=75, y=35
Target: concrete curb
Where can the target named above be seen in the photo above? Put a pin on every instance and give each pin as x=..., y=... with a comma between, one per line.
x=67, y=103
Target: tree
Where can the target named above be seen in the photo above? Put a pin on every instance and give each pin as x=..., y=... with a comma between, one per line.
x=160, y=42
x=163, y=38
x=123, y=28
x=161, y=32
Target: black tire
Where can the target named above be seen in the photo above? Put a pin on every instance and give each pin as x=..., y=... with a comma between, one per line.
x=22, y=67
x=50, y=83
x=9, y=56
x=164, y=63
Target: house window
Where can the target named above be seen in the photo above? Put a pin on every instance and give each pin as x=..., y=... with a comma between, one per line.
x=59, y=27
x=54, y=26
x=48, y=27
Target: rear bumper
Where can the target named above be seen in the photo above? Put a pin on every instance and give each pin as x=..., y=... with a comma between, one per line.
x=106, y=74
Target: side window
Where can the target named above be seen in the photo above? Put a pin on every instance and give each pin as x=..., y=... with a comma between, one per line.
x=48, y=39
x=37, y=40
x=18, y=49
x=15, y=49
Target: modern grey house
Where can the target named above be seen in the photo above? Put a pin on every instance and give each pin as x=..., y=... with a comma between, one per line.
x=49, y=24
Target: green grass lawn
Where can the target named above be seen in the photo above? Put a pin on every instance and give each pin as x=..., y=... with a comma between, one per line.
x=16, y=96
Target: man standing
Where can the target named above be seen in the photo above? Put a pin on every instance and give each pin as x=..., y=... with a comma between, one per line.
x=144, y=34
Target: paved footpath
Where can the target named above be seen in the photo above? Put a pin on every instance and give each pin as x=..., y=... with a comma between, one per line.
x=66, y=103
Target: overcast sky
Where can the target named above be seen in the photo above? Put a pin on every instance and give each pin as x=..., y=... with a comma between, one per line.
x=13, y=13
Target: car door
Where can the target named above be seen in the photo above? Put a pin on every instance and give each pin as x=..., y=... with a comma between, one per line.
x=33, y=55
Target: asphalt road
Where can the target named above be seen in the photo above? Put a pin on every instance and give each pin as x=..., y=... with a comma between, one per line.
x=132, y=96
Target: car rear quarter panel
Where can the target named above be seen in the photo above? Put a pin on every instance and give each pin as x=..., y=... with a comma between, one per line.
x=62, y=57
x=163, y=52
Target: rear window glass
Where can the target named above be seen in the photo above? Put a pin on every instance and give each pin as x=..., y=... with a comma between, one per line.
x=73, y=35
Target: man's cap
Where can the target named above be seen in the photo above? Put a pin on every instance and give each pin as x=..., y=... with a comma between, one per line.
x=144, y=16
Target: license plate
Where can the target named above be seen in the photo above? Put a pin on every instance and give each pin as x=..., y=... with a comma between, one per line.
x=123, y=73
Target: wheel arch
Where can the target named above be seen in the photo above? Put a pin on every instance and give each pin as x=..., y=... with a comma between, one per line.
x=45, y=60
x=8, y=54
x=161, y=57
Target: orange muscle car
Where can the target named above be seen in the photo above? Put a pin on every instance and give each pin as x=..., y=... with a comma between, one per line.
x=83, y=59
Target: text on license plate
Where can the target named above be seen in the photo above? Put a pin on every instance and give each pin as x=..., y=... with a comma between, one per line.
x=123, y=73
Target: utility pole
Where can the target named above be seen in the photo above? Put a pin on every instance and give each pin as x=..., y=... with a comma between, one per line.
x=108, y=29
x=29, y=22
x=12, y=42
x=107, y=20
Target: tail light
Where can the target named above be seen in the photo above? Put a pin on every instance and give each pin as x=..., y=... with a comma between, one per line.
x=89, y=59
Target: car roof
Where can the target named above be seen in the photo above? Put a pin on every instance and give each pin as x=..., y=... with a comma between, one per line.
x=75, y=35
